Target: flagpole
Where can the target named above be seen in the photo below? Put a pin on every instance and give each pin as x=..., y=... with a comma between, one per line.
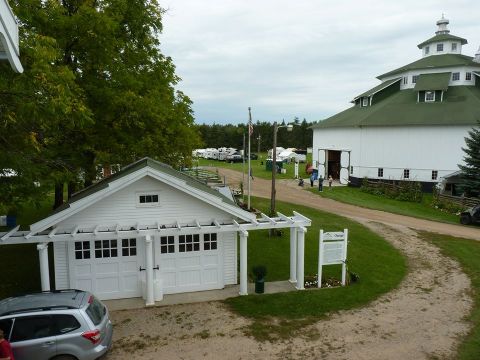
x=250, y=130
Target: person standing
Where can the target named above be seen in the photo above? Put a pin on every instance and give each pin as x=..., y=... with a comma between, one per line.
x=5, y=348
x=330, y=180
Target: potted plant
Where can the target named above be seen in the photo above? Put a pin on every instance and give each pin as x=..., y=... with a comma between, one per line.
x=259, y=272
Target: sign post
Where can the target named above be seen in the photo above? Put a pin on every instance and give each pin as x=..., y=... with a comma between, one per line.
x=296, y=169
x=332, y=250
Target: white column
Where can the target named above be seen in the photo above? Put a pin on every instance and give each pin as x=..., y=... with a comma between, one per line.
x=243, y=263
x=44, y=271
x=300, y=258
x=293, y=254
x=150, y=300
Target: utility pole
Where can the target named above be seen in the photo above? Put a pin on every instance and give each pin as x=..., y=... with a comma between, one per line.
x=250, y=130
x=274, y=169
x=259, y=138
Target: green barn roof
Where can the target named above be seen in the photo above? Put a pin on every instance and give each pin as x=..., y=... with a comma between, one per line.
x=442, y=37
x=460, y=106
x=437, y=81
x=378, y=88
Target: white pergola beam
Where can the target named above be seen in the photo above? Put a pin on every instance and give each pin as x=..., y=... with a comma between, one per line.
x=10, y=233
x=269, y=219
x=74, y=231
x=286, y=218
x=52, y=233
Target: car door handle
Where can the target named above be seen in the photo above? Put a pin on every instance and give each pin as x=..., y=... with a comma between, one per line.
x=48, y=343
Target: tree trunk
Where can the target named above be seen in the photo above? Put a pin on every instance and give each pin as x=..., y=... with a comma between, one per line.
x=71, y=189
x=90, y=170
x=58, y=195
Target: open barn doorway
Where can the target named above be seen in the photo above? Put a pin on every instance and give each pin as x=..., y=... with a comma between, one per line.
x=334, y=164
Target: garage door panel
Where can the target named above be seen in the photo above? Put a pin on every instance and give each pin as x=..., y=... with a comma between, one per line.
x=84, y=284
x=188, y=262
x=210, y=260
x=130, y=283
x=106, y=269
x=169, y=279
x=84, y=269
x=129, y=266
x=189, y=277
x=210, y=276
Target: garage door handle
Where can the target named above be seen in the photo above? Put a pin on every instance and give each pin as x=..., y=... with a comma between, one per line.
x=141, y=269
x=156, y=268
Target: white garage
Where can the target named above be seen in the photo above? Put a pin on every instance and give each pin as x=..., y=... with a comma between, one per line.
x=150, y=230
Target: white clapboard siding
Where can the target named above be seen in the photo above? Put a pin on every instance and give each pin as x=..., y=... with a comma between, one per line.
x=230, y=258
x=61, y=265
x=122, y=207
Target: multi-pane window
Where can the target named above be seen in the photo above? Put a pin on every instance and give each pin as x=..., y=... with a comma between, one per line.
x=468, y=75
x=455, y=76
x=82, y=250
x=106, y=248
x=434, y=174
x=427, y=50
x=167, y=244
x=439, y=47
x=148, y=199
x=429, y=96
x=365, y=101
x=405, y=80
x=129, y=247
x=406, y=173
x=414, y=79
x=380, y=172
x=210, y=241
x=454, y=46
x=187, y=243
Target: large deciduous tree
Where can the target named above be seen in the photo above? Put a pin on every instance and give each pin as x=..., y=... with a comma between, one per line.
x=471, y=170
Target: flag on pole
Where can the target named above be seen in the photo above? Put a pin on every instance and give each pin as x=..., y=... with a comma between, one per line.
x=250, y=128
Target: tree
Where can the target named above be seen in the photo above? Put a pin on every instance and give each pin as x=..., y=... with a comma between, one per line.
x=470, y=175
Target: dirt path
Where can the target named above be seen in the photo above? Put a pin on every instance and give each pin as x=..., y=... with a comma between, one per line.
x=422, y=319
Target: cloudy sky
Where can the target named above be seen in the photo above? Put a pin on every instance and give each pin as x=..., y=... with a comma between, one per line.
x=300, y=58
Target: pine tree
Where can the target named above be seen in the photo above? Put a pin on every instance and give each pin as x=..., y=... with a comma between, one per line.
x=471, y=170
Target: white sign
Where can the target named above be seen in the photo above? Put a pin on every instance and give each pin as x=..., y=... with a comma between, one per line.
x=332, y=250
x=296, y=170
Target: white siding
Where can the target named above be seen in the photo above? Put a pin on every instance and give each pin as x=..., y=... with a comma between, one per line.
x=230, y=258
x=61, y=265
x=121, y=207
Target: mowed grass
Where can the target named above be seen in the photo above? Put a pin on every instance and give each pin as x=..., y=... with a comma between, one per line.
x=380, y=266
x=467, y=253
x=355, y=196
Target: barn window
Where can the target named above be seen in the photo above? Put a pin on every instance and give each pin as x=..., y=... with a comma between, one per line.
x=188, y=243
x=147, y=199
x=439, y=47
x=434, y=174
x=380, y=172
x=82, y=250
x=455, y=76
x=454, y=46
x=167, y=244
x=468, y=75
x=427, y=50
x=365, y=101
x=405, y=80
x=414, y=79
x=429, y=96
x=129, y=247
x=406, y=173
x=106, y=248
x=210, y=241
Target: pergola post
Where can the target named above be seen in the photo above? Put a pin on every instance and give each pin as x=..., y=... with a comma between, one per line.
x=150, y=299
x=44, y=271
x=293, y=254
x=243, y=263
x=300, y=258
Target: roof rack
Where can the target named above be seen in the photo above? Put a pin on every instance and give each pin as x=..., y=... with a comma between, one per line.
x=41, y=308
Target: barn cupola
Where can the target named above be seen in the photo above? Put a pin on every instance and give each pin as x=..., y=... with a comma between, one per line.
x=477, y=56
x=443, y=42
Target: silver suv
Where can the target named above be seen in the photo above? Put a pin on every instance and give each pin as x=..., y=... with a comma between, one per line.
x=56, y=325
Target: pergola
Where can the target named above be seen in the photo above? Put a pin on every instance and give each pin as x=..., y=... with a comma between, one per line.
x=296, y=223
x=9, y=49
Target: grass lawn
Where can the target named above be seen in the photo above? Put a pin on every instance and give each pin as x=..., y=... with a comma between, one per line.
x=380, y=267
x=355, y=196
x=258, y=170
x=467, y=253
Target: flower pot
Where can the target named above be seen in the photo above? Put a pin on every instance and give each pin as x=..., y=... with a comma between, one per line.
x=259, y=286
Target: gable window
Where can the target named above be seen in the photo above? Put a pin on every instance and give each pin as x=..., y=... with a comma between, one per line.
x=427, y=50
x=106, y=248
x=188, y=243
x=454, y=46
x=439, y=47
x=429, y=96
x=468, y=75
x=405, y=80
x=210, y=241
x=82, y=250
x=406, y=173
x=148, y=199
x=414, y=79
x=365, y=101
x=455, y=76
x=167, y=244
x=434, y=174
x=129, y=247
x=380, y=172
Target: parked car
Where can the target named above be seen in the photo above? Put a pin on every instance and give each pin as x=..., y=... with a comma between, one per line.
x=253, y=156
x=56, y=325
x=471, y=216
x=235, y=157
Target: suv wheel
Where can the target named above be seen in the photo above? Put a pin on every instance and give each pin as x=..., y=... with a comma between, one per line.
x=64, y=357
x=465, y=219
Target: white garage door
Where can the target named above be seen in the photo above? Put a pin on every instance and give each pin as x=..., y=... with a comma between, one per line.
x=107, y=268
x=189, y=262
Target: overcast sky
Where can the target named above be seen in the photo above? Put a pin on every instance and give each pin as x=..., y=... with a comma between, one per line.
x=300, y=58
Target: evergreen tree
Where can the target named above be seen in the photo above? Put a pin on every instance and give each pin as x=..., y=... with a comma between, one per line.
x=471, y=170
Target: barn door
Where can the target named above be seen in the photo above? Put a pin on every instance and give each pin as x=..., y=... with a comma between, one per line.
x=322, y=162
x=344, y=167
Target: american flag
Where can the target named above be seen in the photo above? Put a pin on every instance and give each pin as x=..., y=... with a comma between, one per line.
x=250, y=129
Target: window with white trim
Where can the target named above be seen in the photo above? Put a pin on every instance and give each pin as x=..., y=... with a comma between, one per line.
x=427, y=50
x=414, y=79
x=468, y=75
x=365, y=101
x=439, y=47
x=455, y=76
x=129, y=247
x=380, y=172
x=106, y=249
x=406, y=173
x=188, y=243
x=210, y=241
x=82, y=250
x=167, y=244
x=454, y=46
x=429, y=96
x=434, y=174
x=405, y=80
x=147, y=199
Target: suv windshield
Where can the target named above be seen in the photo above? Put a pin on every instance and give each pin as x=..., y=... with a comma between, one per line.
x=95, y=311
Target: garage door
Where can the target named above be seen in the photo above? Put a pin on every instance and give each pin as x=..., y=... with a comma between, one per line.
x=189, y=262
x=107, y=268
